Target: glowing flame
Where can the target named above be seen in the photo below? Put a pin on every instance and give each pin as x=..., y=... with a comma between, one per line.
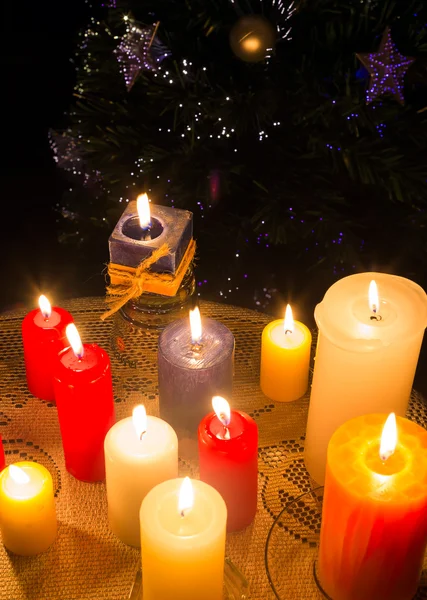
x=374, y=300
x=139, y=420
x=222, y=409
x=186, y=496
x=74, y=340
x=289, y=320
x=251, y=43
x=195, y=325
x=143, y=208
x=45, y=306
x=18, y=475
x=389, y=437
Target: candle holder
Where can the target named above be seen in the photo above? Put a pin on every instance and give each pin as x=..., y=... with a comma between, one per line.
x=292, y=549
x=236, y=586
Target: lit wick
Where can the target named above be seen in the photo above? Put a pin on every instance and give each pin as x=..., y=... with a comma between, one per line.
x=144, y=214
x=374, y=301
x=186, y=497
x=139, y=420
x=196, y=330
x=223, y=413
x=45, y=307
x=388, y=438
x=74, y=340
x=289, y=320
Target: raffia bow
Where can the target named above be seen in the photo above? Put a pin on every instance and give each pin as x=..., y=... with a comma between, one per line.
x=127, y=283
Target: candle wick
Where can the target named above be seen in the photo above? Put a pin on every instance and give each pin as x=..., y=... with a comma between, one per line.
x=288, y=331
x=142, y=434
x=226, y=433
x=146, y=233
x=376, y=317
x=196, y=347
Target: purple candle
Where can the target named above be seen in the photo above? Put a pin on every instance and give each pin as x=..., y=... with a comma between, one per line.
x=195, y=363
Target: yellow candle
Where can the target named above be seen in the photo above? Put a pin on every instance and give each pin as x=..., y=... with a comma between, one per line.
x=285, y=359
x=374, y=521
x=27, y=508
x=183, y=541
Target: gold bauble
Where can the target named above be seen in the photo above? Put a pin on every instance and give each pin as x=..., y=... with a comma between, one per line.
x=252, y=38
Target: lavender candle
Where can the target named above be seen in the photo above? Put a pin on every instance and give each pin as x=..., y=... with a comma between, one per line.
x=195, y=363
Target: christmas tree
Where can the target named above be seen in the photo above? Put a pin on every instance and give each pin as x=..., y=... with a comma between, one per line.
x=292, y=125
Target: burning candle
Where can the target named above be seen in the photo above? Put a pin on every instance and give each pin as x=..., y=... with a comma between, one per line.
x=195, y=362
x=43, y=336
x=183, y=541
x=84, y=397
x=27, y=509
x=2, y=459
x=367, y=353
x=285, y=359
x=140, y=453
x=228, y=455
x=374, y=522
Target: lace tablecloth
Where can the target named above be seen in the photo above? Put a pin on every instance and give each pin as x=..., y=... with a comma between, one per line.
x=87, y=561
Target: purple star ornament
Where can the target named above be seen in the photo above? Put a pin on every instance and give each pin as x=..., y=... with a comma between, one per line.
x=387, y=69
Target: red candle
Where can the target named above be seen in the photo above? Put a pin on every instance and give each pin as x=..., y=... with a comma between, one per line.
x=43, y=336
x=2, y=459
x=84, y=397
x=228, y=455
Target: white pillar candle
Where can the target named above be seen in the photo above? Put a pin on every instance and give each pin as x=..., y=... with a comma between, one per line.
x=183, y=541
x=140, y=452
x=367, y=353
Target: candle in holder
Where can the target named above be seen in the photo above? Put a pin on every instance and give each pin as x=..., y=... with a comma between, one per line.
x=140, y=452
x=27, y=509
x=228, y=456
x=285, y=359
x=84, y=397
x=370, y=336
x=183, y=541
x=374, y=522
x=2, y=459
x=43, y=336
x=195, y=363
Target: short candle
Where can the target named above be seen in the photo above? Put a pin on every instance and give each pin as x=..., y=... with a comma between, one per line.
x=374, y=522
x=43, y=336
x=27, y=509
x=366, y=356
x=183, y=541
x=195, y=363
x=285, y=359
x=140, y=452
x=228, y=457
x=84, y=397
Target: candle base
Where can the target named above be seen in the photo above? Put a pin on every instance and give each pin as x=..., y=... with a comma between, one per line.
x=317, y=581
x=148, y=313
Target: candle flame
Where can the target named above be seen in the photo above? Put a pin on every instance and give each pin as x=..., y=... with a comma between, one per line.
x=74, y=340
x=45, y=306
x=143, y=208
x=222, y=409
x=18, y=475
x=251, y=43
x=186, y=496
x=289, y=320
x=388, y=438
x=195, y=325
x=374, y=300
x=139, y=420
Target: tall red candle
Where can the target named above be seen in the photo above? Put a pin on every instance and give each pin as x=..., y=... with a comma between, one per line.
x=228, y=455
x=2, y=459
x=84, y=397
x=43, y=336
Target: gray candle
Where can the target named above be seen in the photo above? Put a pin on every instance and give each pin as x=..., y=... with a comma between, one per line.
x=194, y=365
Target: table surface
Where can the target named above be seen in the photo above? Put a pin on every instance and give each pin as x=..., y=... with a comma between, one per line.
x=87, y=561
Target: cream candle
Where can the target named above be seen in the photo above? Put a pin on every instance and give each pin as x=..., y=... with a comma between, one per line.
x=285, y=359
x=367, y=353
x=183, y=541
x=140, y=452
x=27, y=509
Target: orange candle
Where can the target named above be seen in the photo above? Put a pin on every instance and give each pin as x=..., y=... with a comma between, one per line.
x=374, y=522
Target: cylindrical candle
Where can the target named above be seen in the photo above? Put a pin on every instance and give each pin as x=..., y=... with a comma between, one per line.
x=366, y=356
x=285, y=359
x=183, y=544
x=140, y=453
x=374, y=522
x=228, y=455
x=43, y=336
x=2, y=459
x=27, y=508
x=84, y=397
x=193, y=367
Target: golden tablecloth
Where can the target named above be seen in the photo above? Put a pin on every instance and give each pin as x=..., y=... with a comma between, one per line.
x=87, y=561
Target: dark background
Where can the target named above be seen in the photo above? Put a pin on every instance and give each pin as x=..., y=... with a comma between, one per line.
x=38, y=77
